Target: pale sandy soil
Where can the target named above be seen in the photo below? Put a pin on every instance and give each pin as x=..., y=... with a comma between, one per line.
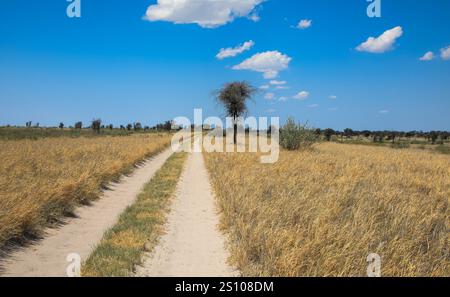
x=48, y=257
x=193, y=245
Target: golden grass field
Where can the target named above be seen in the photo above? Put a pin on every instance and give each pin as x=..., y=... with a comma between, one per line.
x=321, y=212
x=40, y=180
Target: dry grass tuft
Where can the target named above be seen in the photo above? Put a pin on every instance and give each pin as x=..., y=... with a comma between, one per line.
x=321, y=212
x=41, y=180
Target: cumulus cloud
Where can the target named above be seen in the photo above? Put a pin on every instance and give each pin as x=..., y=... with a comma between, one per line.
x=332, y=97
x=269, y=96
x=428, y=56
x=205, y=13
x=281, y=87
x=383, y=111
x=304, y=24
x=264, y=87
x=302, y=95
x=283, y=99
x=382, y=43
x=234, y=51
x=269, y=63
x=278, y=82
x=445, y=53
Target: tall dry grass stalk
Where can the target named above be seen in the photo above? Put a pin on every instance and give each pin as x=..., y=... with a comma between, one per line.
x=40, y=180
x=321, y=212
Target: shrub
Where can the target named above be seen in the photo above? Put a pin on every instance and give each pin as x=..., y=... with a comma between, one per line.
x=295, y=136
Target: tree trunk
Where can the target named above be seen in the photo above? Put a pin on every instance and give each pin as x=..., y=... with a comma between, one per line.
x=235, y=133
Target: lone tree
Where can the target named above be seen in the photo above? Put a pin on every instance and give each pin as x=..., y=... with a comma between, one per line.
x=96, y=125
x=61, y=125
x=234, y=98
x=328, y=133
x=137, y=126
x=78, y=125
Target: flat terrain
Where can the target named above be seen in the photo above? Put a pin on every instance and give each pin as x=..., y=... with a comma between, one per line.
x=43, y=180
x=193, y=245
x=79, y=235
x=321, y=212
x=316, y=212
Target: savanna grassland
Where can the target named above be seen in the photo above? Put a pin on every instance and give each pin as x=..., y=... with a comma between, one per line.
x=43, y=179
x=321, y=212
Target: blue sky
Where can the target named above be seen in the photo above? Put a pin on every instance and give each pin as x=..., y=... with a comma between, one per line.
x=113, y=64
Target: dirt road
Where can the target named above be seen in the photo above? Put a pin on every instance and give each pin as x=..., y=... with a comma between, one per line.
x=193, y=245
x=48, y=257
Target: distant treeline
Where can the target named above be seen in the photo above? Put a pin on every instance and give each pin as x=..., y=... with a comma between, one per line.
x=92, y=129
x=98, y=125
x=380, y=136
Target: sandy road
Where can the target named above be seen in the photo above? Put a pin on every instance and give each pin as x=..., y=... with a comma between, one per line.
x=80, y=235
x=193, y=245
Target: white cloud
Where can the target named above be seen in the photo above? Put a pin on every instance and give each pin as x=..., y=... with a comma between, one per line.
x=283, y=99
x=332, y=97
x=269, y=96
x=332, y=108
x=271, y=110
x=302, y=95
x=445, y=53
x=304, y=24
x=313, y=105
x=205, y=13
x=233, y=52
x=277, y=82
x=428, y=56
x=382, y=43
x=269, y=63
x=383, y=111
x=264, y=87
x=281, y=87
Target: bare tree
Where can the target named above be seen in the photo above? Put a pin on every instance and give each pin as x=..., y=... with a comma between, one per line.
x=234, y=97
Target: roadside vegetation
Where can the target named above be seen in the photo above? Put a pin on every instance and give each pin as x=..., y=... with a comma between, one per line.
x=44, y=179
x=321, y=212
x=139, y=227
x=295, y=136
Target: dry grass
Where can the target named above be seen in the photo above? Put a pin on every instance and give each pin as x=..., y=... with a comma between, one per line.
x=321, y=212
x=40, y=180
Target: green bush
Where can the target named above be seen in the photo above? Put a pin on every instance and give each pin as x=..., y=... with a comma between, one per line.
x=295, y=136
